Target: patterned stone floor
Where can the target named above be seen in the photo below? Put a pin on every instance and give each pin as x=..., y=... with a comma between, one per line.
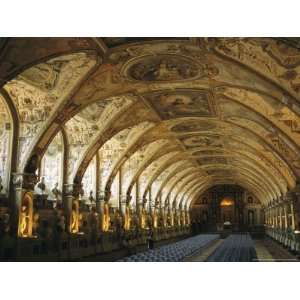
x=267, y=250
x=262, y=252
x=202, y=255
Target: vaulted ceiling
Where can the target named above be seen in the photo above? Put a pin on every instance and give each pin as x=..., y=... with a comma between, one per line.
x=188, y=113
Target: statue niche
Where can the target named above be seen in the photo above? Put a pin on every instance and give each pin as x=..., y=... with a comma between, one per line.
x=128, y=218
x=177, y=218
x=75, y=217
x=154, y=218
x=183, y=221
x=106, y=217
x=143, y=218
x=170, y=218
x=164, y=218
x=187, y=218
x=26, y=216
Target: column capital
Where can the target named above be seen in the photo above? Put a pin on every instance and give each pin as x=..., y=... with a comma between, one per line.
x=73, y=189
x=100, y=196
x=24, y=181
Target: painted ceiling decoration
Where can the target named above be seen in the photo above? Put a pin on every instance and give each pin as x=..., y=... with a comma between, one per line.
x=164, y=118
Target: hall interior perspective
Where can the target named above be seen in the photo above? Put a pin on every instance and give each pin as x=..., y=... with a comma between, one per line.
x=149, y=149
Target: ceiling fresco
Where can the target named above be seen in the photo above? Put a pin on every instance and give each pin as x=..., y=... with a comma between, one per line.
x=182, y=103
x=173, y=116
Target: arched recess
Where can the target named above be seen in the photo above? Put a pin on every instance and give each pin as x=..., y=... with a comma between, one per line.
x=180, y=196
x=187, y=174
x=244, y=182
x=104, y=120
x=146, y=134
x=222, y=134
x=247, y=169
x=8, y=137
x=171, y=159
x=258, y=174
x=19, y=54
x=129, y=148
x=266, y=57
x=247, y=137
x=184, y=185
x=181, y=169
x=89, y=179
x=275, y=110
x=175, y=187
x=147, y=162
x=228, y=170
x=279, y=144
x=119, y=65
x=52, y=165
x=143, y=156
x=266, y=159
x=246, y=155
x=191, y=187
x=39, y=93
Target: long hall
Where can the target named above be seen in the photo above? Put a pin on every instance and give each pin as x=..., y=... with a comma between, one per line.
x=114, y=147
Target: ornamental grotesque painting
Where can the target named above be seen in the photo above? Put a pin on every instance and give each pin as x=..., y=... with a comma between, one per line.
x=193, y=125
x=182, y=103
x=162, y=67
x=202, y=141
x=212, y=160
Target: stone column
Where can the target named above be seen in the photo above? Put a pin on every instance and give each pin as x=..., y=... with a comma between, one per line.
x=296, y=206
x=123, y=203
x=279, y=208
x=293, y=223
x=257, y=216
x=100, y=200
x=67, y=203
x=150, y=200
x=99, y=192
x=285, y=216
x=275, y=217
